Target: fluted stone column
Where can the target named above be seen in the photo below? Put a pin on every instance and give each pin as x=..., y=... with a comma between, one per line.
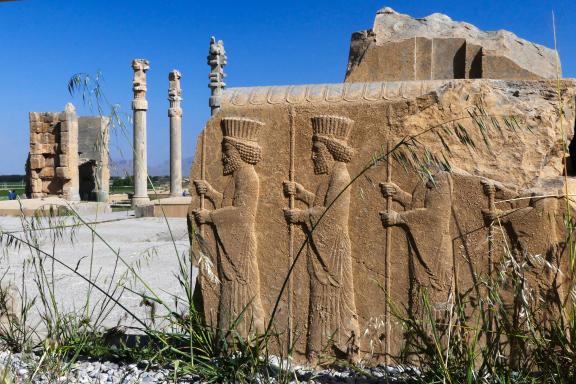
x=139, y=107
x=175, y=114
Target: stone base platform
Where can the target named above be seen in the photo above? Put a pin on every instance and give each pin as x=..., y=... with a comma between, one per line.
x=170, y=207
x=54, y=206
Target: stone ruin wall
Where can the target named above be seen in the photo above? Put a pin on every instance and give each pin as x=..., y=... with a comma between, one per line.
x=60, y=143
x=53, y=154
x=93, y=136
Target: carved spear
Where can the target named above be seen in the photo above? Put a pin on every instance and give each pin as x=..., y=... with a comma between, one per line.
x=202, y=172
x=491, y=208
x=291, y=205
x=387, y=256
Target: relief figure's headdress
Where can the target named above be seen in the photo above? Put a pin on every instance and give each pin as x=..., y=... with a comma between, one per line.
x=334, y=131
x=243, y=134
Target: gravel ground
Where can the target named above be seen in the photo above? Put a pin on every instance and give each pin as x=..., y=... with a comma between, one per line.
x=22, y=370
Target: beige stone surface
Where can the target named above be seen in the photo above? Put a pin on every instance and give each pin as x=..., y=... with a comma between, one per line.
x=400, y=47
x=165, y=207
x=438, y=231
x=50, y=205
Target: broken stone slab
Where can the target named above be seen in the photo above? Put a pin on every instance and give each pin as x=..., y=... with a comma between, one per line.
x=400, y=47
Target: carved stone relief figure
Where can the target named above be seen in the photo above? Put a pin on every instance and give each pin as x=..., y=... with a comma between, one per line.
x=533, y=242
x=427, y=220
x=532, y=234
x=332, y=316
x=233, y=222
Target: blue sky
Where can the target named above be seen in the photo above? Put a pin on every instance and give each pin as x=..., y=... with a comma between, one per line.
x=44, y=42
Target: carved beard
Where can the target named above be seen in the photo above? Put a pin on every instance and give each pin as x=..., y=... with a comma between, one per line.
x=322, y=162
x=231, y=162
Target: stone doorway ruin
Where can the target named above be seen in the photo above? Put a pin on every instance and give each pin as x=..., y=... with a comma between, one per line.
x=87, y=179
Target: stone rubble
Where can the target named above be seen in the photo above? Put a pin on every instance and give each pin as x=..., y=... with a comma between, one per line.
x=23, y=366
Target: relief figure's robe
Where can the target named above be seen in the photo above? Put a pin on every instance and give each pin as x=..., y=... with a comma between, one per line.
x=234, y=225
x=332, y=311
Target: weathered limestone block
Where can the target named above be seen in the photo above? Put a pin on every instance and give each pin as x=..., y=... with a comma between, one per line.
x=63, y=173
x=47, y=173
x=400, y=47
x=49, y=161
x=437, y=231
x=37, y=184
x=37, y=161
x=63, y=159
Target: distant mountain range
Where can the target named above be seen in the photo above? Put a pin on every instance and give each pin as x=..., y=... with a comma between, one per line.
x=124, y=167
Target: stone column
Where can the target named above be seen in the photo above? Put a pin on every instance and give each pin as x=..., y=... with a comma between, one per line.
x=103, y=163
x=139, y=107
x=175, y=114
x=68, y=156
x=217, y=59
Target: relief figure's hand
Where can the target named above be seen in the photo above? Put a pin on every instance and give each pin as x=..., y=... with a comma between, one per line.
x=391, y=218
x=289, y=188
x=488, y=187
x=294, y=216
x=202, y=187
x=202, y=216
x=293, y=188
x=490, y=216
x=389, y=189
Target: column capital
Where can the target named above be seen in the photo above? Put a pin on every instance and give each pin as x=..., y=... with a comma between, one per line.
x=139, y=86
x=217, y=59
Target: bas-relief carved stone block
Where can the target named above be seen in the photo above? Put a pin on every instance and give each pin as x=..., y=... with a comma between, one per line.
x=390, y=228
x=438, y=231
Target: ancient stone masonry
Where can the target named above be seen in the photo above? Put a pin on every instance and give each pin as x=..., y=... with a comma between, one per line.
x=392, y=234
x=94, y=157
x=139, y=108
x=399, y=47
x=68, y=156
x=52, y=168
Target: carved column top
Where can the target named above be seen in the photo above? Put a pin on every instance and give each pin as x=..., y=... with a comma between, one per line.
x=174, y=93
x=174, y=90
x=139, y=87
x=217, y=59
